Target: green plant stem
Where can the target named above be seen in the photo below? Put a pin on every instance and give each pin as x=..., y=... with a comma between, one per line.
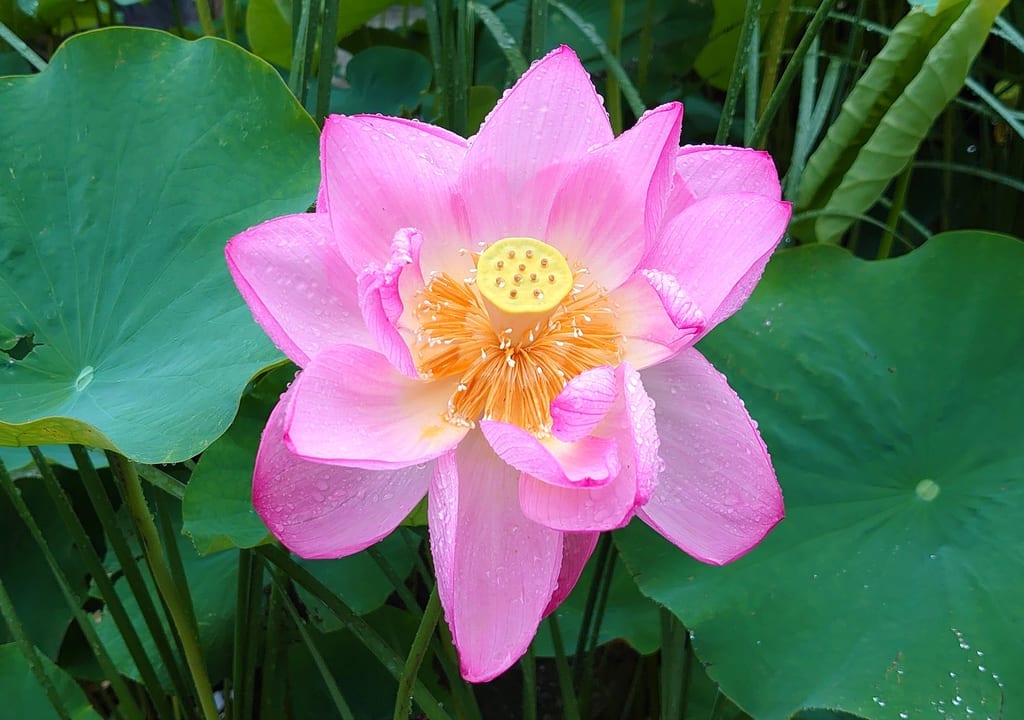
x=778, y=95
x=613, y=95
x=602, y=557
x=570, y=708
x=403, y=701
x=205, y=18
x=29, y=652
x=538, y=27
x=773, y=51
x=646, y=46
x=229, y=20
x=359, y=627
x=899, y=201
x=328, y=57
x=750, y=83
x=318, y=659
x=272, y=650
x=245, y=638
x=674, y=666
x=21, y=47
x=108, y=519
x=103, y=583
x=162, y=481
x=528, y=665
x=604, y=582
x=180, y=615
x=396, y=582
x=125, y=698
x=751, y=16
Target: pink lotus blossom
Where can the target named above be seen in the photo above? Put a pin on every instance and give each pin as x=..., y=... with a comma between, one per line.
x=506, y=324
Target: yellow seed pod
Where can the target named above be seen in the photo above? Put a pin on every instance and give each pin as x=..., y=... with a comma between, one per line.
x=523, y=275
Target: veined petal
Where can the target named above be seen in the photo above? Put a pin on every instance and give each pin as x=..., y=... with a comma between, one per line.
x=613, y=201
x=298, y=287
x=577, y=508
x=651, y=335
x=496, y=570
x=528, y=145
x=382, y=174
x=380, y=299
x=708, y=170
x=589, y=462
x=717, y=249
x=576, y=550
x=351, y=407
x=326, y=511
x=583, y=403
x=718, y=496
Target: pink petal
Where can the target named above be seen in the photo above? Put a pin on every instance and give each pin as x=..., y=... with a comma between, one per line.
x=353, y=408
x=326, y=511
x=496, y=570
x=380, y=299
x=717, y=249
x=576, y=508
x=576, y=550
x=382, y=174
x=528, y=145
x=613, y=201
x=299, y=289
x=651, y=335
x=709, y=170
x=718, y=496
x=681, y=309
x=583, y=403
x=590, y=462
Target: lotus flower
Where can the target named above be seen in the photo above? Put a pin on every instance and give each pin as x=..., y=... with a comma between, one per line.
x=506, y=324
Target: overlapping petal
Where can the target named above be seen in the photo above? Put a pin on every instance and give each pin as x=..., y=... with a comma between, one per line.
x=717, y=249
x=351, y=407
x=576, y=550
x=496, y=569
x=718, y=496
x=382, y=174
x=588, y=462
x=326, y=511
x=298, y=287
x=529, y=145
x=707, y=170
x=614, y=199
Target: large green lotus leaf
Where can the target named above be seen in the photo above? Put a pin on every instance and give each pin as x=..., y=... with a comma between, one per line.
x=127, y=165
x=891, y=396
x=24, y=697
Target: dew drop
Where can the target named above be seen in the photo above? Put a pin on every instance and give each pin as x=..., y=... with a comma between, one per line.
x=84, y=378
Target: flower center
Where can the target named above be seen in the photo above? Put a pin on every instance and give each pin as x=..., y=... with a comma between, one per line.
x=514, y=333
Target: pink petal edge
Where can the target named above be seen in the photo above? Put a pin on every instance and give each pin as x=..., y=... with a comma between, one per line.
x=351, y=407
x=298, y=287
x=496, y=570
x=718, y=496
x=326, y=511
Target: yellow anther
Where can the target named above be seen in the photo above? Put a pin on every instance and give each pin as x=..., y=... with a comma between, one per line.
x=493, y=278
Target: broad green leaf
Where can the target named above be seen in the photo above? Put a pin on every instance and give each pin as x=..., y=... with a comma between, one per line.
x=886, y=116
x=891, y=396
x=385, y=80
x=24, y=697
x=217, y=507
x=268, y=25
x=357, y=579
x=17, y=458
x=130, y=161
x=628, y=615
